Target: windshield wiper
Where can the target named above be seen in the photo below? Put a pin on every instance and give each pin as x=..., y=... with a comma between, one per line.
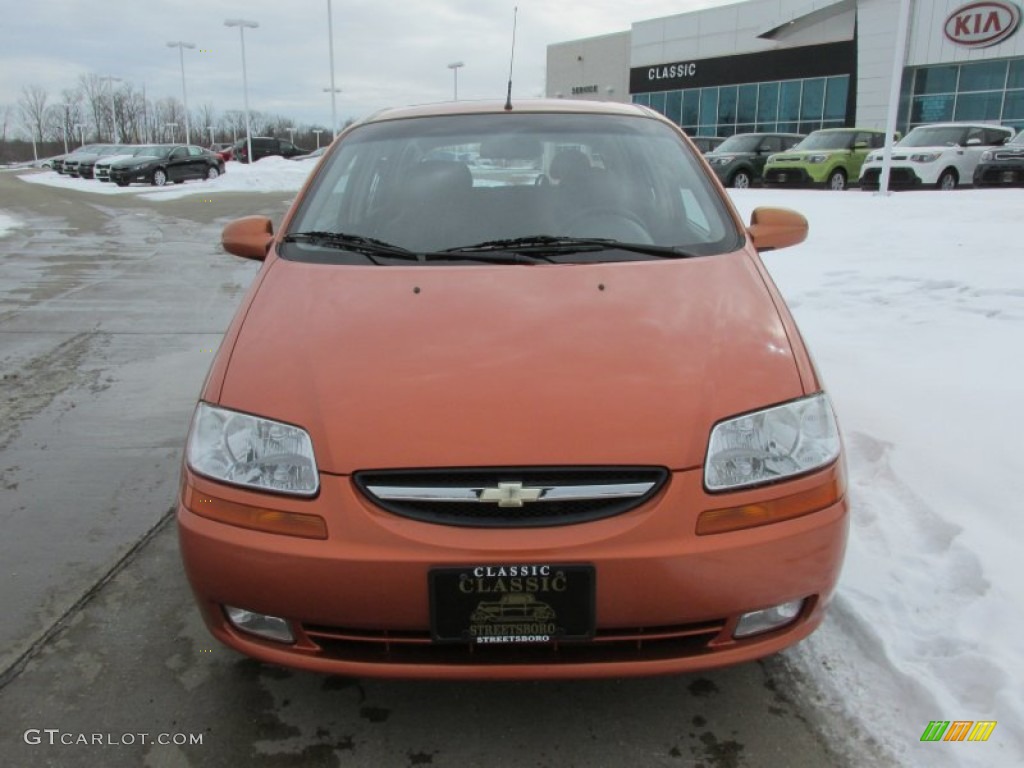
x=550, y=245
x=368, y=246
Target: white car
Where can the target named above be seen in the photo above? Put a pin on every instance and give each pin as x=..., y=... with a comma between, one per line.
x=939, y=156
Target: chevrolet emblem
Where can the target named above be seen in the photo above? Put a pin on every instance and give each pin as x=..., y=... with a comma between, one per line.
x=510, y=494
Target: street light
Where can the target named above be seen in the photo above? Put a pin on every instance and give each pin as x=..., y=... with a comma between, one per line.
x=454, y=67
x=80, y=127
x=330, y=46
x=317, y=131
x=242, y=24
x=172, y=126
x=113, y=109
x=291, y=135
x=184, y=94
x=213, y=138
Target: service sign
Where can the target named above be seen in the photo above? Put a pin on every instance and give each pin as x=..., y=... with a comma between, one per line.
x=983, y=24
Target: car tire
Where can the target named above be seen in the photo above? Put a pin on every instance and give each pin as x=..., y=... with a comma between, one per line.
x=212, y=173
x=740, y=180
x=159, y=177
x=948, y=180
x=836, y=180
x=122, y=183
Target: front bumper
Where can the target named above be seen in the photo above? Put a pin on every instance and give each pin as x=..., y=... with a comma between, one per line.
x=900, y=177
x=666, y=600
x=999, y=175
x=790, y=176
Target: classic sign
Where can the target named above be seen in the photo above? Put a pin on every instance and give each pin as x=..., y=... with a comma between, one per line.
x=983, y=24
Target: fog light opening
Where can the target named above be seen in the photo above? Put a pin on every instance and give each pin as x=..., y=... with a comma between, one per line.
x=767, y=619
x=259, y=624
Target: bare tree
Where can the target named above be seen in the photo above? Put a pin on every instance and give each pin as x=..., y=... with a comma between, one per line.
x=6, y=115
x=202, y=119
x=32, y=106
x=97, y=100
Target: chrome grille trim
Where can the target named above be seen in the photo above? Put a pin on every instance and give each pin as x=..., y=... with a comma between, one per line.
x=547, y=493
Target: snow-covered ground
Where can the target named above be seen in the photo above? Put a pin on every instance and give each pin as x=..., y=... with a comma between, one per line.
x=913, y=305
x=7, y=223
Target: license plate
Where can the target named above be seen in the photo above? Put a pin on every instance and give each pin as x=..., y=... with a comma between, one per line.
x=1009, y=176
x=512, y=604
x=782, y=177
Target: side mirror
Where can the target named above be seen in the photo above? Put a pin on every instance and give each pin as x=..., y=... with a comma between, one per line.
x=248, y=237
x=772, y=228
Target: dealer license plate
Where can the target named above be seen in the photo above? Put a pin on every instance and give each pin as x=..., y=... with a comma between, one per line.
x=517, y=604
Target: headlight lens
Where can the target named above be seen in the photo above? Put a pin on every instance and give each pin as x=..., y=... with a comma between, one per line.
x=772, y=444
x=874, y=157
x=925, y=157
x=986, y=156
x=817, y=158
x=251, y=451
x=721, y=159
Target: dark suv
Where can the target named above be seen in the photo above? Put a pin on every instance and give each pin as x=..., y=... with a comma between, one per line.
x=265, y=147
x=739, y=160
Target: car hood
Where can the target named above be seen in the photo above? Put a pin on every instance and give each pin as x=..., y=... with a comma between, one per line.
x=801, y=155
x=625, y=363
x=124, y=162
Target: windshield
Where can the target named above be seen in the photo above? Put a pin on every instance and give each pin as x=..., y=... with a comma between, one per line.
x=934, y=136
x=828, y=140
x=748, y=143
x=154, y=150
x=439, y=183
x=1018, y=140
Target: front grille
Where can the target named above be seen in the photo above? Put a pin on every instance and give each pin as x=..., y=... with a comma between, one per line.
x=608, y=645
x=510, y=497
x=793, y=176
x=898, y=177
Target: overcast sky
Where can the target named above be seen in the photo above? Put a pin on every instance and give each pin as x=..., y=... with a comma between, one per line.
x=386, y=53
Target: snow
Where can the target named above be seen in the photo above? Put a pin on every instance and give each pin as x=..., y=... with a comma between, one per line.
x=7, y=223
x=913, y=306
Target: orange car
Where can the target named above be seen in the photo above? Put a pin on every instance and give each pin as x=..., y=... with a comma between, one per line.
x=524, y=362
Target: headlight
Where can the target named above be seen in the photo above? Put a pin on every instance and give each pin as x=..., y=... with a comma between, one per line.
x=772, y=158
x=817, y=158
x=874, y=157
x=721, y=159
x=987, y=156
x=925, y=157
x=772, y=444
x=253, y=452
x=138, y=167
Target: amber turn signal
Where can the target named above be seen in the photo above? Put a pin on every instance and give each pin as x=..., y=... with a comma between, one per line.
x=773, y=511
x=255, y=518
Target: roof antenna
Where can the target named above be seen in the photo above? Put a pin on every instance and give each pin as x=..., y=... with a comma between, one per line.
x=508, y=98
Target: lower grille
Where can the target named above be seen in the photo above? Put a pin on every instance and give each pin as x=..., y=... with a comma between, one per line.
x=609, y=645
x=510, y=497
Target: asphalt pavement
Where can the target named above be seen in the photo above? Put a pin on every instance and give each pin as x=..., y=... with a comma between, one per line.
x=110, y=310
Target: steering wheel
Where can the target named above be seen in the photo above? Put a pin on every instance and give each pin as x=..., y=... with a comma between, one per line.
x=612, y=223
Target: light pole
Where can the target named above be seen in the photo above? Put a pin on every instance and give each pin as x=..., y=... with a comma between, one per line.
x=454, y=67
x=113, y=109
x=80, y=127
x=184, y=94
x=213, y=138
x=334, y=91
x=317, y=131
x=172, y=126
x=291, y=135
x=242, y=24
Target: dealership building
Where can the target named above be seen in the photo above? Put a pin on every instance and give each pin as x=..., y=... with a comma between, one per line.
x=800, y=65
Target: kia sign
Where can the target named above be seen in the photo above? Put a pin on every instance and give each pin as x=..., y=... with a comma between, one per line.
x=980, y=25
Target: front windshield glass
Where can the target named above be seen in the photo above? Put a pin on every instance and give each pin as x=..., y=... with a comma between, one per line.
x=748, y=143
x=436, y=183
x=935, y=136
x=154, y=150
x=1018, y=140
x=828, y=140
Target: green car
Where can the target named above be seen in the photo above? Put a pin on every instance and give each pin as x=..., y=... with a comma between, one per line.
x=828, y=158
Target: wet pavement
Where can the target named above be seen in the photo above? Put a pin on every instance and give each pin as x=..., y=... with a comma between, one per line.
x=109, y=313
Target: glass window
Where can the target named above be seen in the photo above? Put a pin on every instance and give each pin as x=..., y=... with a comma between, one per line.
x=658, y=102
x=727, y=105
x=767, y=103
x=813, y=102
x=789, y=100
x=644, y=99
x=708, y=106
x=691, y=107
x=978, y=106
x=746, y=106
x=1014, y=107
x=931, y=109
x=983, y=76
x=935, y=80
x=1015, y=79
x=836, y=92
x=673, y=105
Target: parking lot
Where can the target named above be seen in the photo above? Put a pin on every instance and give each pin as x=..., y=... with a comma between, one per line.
x=109, y=311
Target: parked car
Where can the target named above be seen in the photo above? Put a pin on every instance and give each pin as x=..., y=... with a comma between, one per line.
x=265, y=147
x=71, y=162
x=312, y=155
x=446, y=389
x=739, y=160
x=87, y=163
x=225, y=150
x=1002, y=166
x=939, y=156
x=160, y=164
x=829, y=158
x=707, y=143
x=101, y=170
